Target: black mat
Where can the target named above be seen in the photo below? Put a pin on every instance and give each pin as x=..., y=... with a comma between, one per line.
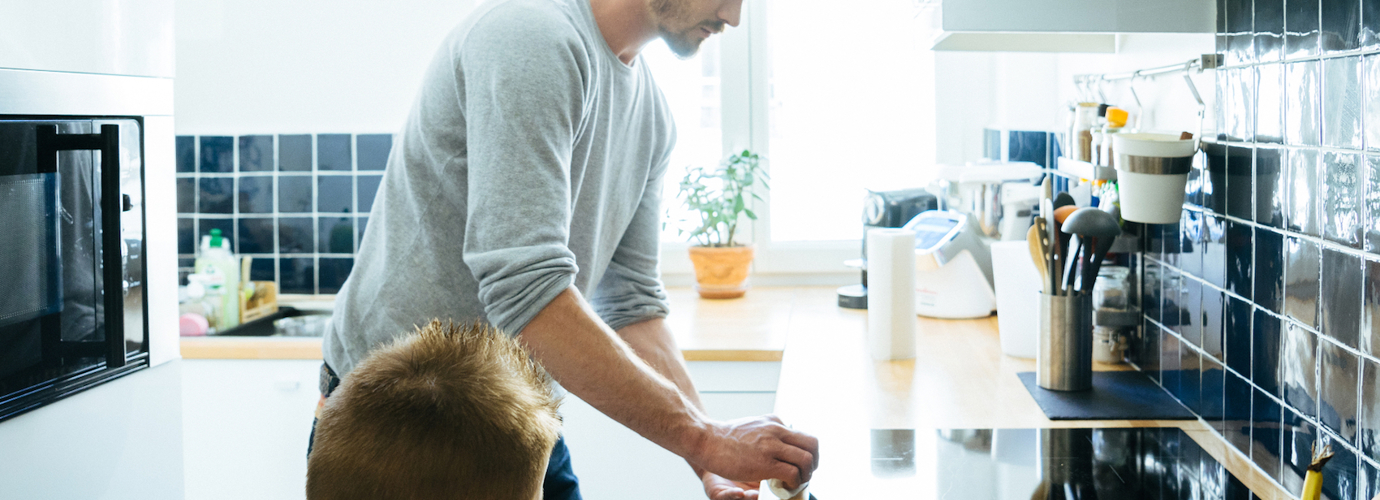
x=1125, y=395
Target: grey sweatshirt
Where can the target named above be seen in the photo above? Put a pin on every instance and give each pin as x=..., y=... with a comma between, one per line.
x=532, y=160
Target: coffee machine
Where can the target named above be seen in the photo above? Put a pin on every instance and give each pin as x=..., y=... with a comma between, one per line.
x=884, y=209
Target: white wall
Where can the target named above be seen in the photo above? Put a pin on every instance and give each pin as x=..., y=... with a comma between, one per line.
x=276, y=66
x=1030, y=91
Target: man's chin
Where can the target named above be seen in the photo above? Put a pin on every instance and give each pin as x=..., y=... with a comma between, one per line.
x=684, y=46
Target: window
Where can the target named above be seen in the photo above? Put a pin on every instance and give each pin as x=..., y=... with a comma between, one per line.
x=691, y=87
x=850, y=108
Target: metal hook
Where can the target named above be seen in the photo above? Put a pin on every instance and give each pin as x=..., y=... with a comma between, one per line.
x=1140, y=109
x=1101, y=89
x=1202, y=107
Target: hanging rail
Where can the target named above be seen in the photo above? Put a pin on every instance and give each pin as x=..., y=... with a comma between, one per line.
x=1206, y=61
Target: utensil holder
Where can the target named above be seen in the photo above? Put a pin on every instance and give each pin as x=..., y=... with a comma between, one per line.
x=1063, y=359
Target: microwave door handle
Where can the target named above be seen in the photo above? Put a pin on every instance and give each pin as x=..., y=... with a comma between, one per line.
x=111, y=203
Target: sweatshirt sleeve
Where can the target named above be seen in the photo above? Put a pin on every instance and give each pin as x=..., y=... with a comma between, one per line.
x=631, y=290
x=523, y=91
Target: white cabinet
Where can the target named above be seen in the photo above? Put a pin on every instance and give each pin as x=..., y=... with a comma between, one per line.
x=615, y=463
x=246, y=424
x=1061, y=25
x=88, y=36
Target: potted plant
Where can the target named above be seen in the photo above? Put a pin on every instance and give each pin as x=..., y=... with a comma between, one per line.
x=719, y=198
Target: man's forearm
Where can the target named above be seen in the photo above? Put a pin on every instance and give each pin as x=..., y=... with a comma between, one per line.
x=654, y=343
x=600, y=367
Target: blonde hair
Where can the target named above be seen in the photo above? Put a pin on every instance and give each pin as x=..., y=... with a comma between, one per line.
x=450, y=412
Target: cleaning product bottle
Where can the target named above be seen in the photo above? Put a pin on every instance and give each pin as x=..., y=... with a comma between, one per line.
x=216, y=259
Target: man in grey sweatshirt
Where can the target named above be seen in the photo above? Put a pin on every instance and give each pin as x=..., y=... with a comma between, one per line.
x=528, y=177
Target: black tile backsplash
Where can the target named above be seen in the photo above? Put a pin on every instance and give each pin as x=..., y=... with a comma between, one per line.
x=1279, y=247
x=296, y=202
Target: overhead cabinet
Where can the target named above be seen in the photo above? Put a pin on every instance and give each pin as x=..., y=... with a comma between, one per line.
x=1061, y=25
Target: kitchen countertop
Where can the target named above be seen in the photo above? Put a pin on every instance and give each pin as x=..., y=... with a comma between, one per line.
x=754, y=328
x=831, y=388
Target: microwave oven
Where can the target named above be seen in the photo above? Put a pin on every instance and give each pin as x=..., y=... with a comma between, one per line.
x=73, y=311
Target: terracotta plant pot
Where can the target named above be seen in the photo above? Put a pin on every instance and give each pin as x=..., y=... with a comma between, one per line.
x=721, y=272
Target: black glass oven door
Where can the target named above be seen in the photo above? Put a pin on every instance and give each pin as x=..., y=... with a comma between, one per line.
x=65, y=282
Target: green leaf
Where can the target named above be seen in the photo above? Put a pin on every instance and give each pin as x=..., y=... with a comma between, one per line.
x=750, y=214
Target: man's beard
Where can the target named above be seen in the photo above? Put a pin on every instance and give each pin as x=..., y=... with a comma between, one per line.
x=685, y=42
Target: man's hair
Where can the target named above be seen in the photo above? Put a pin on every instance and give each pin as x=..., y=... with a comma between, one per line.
x=451, y=412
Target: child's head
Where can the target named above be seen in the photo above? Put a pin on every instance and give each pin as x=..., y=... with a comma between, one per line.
x=451, y=412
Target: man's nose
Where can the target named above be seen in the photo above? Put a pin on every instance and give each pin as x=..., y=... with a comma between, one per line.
x=731, y=12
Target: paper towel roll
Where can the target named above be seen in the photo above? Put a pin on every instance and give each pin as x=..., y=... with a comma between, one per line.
x=891, y=293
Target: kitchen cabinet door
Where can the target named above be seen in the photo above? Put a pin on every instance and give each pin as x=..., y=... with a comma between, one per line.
x=245, y=426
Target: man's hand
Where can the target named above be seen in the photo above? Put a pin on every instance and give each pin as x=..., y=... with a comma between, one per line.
x=718, y=488
x=756, y=448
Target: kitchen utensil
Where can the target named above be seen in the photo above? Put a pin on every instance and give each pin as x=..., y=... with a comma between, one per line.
x=1060, y=215
x=1100, y=229
x=1063, y=200
x=1070, y=272
x=1051, y=240
x=1152, y=170
x=953, y=266
x=1038, y=253
x=990, y=192
x=1063, y=359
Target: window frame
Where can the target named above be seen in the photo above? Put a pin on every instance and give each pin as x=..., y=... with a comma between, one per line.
x=744, y=59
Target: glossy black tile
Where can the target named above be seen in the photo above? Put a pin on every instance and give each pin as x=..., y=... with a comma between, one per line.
x=334, y=194
x=256, y=153
x=186, y=235
x=1154, y=240
x=1370, y=68
x=1238, y=336
x=1269, y=30
x=1340, y=481
x=1028, y=146
x=1341, y=25
x=1171, y=372
x=1214, y=392
x=1338, y=385
x=297, y=275
x=1368, y=427
x=373, y=150
x=1267, y=420
x=1265, y=349
x=1369, y=478
x=256, y=194
x=1150, y=362
x=1191, y=303
x=1343, y=103
x=334, y=271
x=186, y=195
x=1190, y=378
x=1370, y=207
x=1240, y=32
x=1193, y=189
x=336, y=235
x=1269, y=270
x=1240, y=259
x=186, y=153
x=1302, y=103
x=1236, y=418
x=1222, y=103
x=1341, y=297
x=1214, y=323
x=333, y=152
x=1342, y=198
x=294, y=153
x=255, y=235
x=1302, y=275
x=1298, y=366
x=1301, y=27
x=1269, y=121
x=263, y=269
x=1305, y=179
x=1241, y=182
x=1271, y=187
x=216, y=195
x=217, y=154
x=1369, y=341
x=1299, y=436
x=1236, y=490
x=226, y=227
x=296, y=235
x=1215, y=251
x=1173, y=244
x=294, y=194
x=368, y=186
x=1215, y=182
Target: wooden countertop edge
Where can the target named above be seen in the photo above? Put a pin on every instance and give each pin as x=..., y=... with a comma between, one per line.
x=310, y=348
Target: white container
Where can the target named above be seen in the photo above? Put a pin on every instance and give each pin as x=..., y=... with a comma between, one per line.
x=1152, y=170
x=1017, y=282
